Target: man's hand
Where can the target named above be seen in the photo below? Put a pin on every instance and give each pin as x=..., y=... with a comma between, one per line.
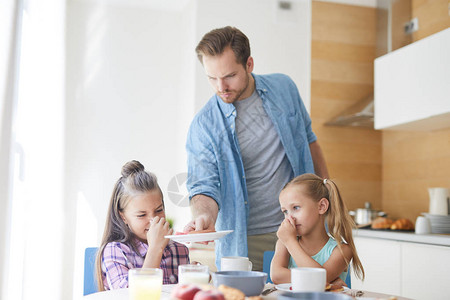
x=202, y=222
x=204, y=210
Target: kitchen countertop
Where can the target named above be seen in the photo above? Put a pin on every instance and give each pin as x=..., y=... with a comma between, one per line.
x=430, y=239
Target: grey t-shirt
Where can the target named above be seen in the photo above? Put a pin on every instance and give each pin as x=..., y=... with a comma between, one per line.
x=267, y=168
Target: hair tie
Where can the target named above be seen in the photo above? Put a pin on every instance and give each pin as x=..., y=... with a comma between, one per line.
x=325, y=181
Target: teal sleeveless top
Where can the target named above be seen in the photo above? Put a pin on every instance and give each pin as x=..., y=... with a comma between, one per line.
x=322, y=256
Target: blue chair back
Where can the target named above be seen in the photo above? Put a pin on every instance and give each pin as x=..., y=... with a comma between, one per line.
x=267, y=259
x=348, y=279
x=90, y=283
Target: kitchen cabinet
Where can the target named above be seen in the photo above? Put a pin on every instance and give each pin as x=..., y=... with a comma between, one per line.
x=425, y=271
x=412, y=85
x=408, y=269
x=381, y=262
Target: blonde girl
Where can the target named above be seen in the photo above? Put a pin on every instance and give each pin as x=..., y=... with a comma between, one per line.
x=134, y=232
x=307, y=202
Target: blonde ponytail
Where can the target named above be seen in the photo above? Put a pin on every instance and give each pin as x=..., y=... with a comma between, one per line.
x=340, y=225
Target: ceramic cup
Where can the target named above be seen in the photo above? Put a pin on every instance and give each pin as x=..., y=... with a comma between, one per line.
x=235, y=263
x=193, y=274
x=423, y=225
x=308, y=279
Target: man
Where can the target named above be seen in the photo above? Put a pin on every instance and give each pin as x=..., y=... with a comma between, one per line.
x=245, y=144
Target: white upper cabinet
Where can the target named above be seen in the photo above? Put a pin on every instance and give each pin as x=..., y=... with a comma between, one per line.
x=412, y=85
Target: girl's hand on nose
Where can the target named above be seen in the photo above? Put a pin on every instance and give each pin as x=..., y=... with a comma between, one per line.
x=159, y=227
x=287, y=231
x=291, y=220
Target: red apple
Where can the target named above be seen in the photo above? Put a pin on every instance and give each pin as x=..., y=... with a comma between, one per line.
x=185, y=291
x=209, y=295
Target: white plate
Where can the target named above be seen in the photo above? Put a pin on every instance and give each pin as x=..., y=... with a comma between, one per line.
x=286, y=287
x=198, y=237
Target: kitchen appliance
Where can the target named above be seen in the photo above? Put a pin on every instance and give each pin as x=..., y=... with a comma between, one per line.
x=366, y=215
x=439, y=201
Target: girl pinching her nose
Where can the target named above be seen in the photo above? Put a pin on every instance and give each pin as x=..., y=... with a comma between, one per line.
x=308, y=202
x=134, y=232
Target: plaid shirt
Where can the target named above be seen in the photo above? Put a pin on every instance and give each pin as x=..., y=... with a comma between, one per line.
x=118, y=258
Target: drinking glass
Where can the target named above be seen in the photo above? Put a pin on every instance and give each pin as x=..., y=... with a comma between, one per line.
x=145, y=283
x=193, y=274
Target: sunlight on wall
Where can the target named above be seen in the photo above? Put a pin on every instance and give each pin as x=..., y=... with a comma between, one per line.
x=14, y=264
x=85, y=236
x=37, y=212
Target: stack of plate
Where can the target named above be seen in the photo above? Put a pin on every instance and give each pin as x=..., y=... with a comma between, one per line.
x=439, y=223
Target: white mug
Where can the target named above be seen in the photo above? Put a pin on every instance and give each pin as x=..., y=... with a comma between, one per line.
x=308, y=279
x=423, y=225
x=235, y=263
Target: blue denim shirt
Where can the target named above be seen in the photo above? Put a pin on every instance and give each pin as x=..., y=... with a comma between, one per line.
x=215, y=167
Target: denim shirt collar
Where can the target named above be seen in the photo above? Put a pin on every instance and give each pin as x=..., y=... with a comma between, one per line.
x=229, y=108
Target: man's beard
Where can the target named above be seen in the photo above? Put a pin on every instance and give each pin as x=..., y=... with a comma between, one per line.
x=238, y=93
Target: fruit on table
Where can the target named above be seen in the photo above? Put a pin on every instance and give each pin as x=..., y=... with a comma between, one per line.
x=209, y=295
x=185, y=291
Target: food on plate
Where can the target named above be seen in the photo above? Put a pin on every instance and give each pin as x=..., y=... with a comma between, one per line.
x=208, y=292
x=231, y=293
x=185, y=291
x=194, y=232
x=382, y=223
x=180, y=233
x=335, y=288
x=402, y=224
x=254, y=298
x=201, y=231
x=212, y=294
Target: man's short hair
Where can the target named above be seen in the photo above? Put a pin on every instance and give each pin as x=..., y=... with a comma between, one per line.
x=217, y=40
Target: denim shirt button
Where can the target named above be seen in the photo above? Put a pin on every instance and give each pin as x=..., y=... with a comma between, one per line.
x=245, y=202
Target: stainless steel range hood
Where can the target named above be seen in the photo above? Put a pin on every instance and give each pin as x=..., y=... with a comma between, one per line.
x=392, y=17
x=360, y=115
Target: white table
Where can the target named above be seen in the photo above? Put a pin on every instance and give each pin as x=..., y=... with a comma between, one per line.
x=122, y=294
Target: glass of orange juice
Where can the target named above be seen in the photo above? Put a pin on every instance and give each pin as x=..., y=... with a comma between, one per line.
x=145, y=283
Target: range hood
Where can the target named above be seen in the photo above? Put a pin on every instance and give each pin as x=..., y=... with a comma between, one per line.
x=360, y=114
x=393, y=20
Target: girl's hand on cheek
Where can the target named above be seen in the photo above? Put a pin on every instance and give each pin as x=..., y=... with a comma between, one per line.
x=287, y=231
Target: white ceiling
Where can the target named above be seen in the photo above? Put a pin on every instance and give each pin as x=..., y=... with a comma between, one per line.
x=166, y=5
x=369, y=3
x=174, y=5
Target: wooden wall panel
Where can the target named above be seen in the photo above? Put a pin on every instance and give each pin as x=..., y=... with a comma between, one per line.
x=433, y=17
x=401, y=14
x=342, y=54
x=415, y=161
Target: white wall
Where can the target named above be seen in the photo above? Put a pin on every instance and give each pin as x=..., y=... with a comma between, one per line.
x=123, y=103
x=280, y=40
x=133, y=86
